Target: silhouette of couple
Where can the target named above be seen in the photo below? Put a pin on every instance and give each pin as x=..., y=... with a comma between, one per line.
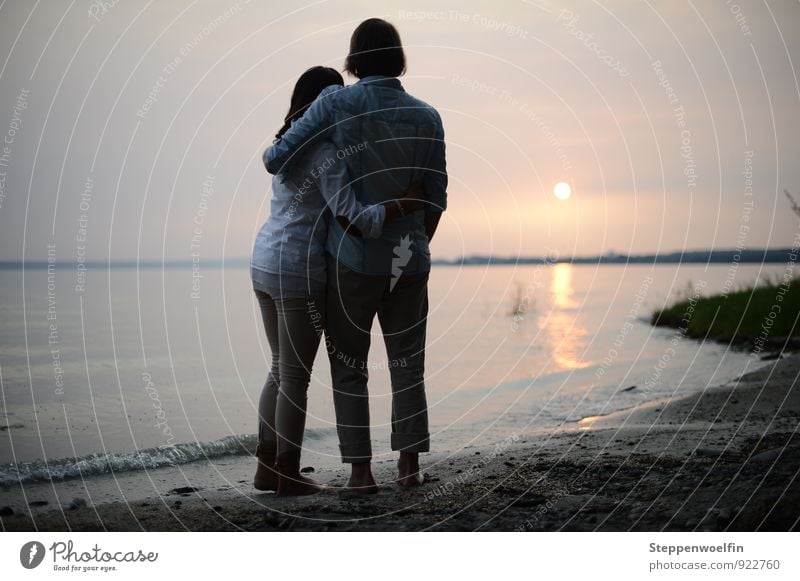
x=359, y=187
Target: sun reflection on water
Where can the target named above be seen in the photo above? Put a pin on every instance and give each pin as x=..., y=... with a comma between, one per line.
x=567, y=336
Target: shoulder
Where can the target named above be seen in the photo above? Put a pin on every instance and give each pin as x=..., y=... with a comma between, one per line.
x=333, y=94
x=426, y=111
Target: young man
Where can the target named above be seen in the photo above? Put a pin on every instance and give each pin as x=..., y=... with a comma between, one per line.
x=390, y=140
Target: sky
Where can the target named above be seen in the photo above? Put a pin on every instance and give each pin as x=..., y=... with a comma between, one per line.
x=134, y=130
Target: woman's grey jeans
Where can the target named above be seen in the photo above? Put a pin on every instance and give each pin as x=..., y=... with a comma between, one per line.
x=294, y=328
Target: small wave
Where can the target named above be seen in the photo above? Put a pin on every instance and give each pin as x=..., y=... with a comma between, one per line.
x=146, y=459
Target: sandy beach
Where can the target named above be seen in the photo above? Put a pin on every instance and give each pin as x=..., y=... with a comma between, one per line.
x=726, y=459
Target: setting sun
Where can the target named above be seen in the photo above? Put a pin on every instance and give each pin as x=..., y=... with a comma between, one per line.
x=562, y=190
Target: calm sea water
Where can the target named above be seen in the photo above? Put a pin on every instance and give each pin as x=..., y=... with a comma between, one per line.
x=140, y=367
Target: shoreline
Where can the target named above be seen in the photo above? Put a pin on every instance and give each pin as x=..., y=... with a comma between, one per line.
x=727, y=458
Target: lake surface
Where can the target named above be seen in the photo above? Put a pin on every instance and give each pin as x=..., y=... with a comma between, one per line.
x=130, y=364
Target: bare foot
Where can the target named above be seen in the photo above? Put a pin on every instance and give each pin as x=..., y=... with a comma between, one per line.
x=266, y=478
x=361, y=479
x=408, y=474
x=298, y=485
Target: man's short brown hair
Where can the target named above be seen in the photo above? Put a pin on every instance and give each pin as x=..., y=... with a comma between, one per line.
x=375, y=49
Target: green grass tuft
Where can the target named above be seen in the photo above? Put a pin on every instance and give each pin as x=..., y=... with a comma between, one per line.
x=767, y=313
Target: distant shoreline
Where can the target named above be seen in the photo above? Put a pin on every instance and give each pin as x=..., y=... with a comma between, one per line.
x=731, y=256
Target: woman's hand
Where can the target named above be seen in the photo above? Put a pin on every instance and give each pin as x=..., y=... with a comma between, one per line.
x=415, y=192
x=413, y=200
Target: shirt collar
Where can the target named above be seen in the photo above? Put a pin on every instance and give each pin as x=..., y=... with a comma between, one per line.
x=384, y=80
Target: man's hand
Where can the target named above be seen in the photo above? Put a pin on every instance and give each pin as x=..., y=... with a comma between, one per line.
x=431, y=223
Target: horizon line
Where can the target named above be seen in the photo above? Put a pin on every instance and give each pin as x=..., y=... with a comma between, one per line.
x=699, y=256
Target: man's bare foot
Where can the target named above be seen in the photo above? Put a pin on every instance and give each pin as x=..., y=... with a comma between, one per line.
x=361, y=479
x=408, y=474
x=298, y=485
x=266, y=478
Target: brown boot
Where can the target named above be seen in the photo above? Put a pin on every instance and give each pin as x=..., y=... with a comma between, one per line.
x=266, y=477
x=290, y=481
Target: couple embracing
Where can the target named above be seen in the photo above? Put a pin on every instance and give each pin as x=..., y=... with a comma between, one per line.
x=359, y=186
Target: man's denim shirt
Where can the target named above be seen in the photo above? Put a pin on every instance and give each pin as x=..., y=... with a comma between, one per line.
x=389, y=140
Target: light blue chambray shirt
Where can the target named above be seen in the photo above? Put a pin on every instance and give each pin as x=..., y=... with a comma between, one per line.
x=389, y=140
x=289, y=252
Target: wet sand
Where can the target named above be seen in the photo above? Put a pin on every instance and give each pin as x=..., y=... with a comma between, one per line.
x=726, y=459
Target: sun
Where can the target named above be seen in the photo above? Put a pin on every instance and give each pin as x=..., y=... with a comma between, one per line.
x=562, y=190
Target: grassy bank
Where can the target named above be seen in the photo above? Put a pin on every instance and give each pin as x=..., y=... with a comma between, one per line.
x=762, y=317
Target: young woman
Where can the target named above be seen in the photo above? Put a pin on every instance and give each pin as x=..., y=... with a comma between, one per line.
x=288, y=273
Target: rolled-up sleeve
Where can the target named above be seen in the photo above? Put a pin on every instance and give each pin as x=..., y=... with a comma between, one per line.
x=370, y=220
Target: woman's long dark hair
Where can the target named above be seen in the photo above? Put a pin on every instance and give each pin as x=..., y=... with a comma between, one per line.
x=308, y=88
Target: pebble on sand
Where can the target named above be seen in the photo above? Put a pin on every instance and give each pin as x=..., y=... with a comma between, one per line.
x=77, y=503
x=725, y=515
x=768, y=456
x=708, y=452
x=184, y=490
